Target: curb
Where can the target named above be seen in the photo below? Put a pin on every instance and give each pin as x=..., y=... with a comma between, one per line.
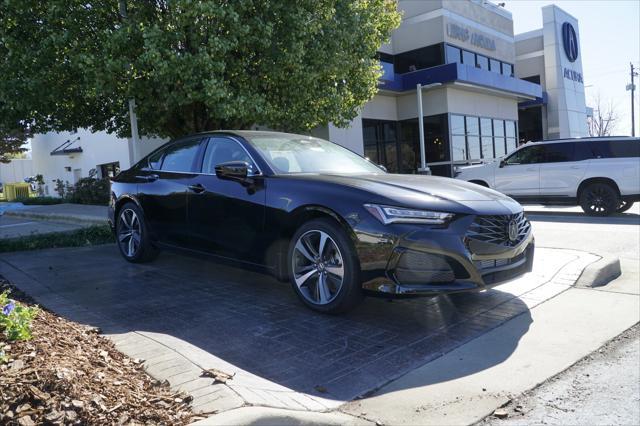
x=56, y=217
x=600, y=273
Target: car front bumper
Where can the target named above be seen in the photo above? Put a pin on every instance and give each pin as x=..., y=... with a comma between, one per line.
x=411, y=260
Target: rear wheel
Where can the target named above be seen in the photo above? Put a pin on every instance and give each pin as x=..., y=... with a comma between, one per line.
x=599, y=199
x=132, y=235
x=624, y=206
x=323, y=267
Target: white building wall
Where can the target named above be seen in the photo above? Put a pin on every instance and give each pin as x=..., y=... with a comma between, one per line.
x=16, y=170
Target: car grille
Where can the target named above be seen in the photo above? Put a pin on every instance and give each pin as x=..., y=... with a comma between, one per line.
x=497, y=263
x=495, y=229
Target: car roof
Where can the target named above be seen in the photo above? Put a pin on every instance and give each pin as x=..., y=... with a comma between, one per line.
x=248, y=134
x=587, y=139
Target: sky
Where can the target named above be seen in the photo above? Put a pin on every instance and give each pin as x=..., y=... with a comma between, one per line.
x=610, y=40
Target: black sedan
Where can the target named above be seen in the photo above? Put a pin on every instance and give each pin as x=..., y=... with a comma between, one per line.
x=312, y=212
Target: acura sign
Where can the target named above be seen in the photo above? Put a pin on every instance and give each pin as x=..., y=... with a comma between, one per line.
x=570, y=41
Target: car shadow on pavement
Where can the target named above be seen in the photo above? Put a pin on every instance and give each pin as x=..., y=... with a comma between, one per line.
x=257, y=324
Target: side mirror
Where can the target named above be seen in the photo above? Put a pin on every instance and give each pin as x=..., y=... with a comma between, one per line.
x=384, y=169
x=233, y=170
x=502, y=163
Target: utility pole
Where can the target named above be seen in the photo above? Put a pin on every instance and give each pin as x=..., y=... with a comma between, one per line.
x=423, y=169
x=632, y=88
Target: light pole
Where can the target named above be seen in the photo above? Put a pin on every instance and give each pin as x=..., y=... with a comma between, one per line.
x=423, y=169
x=632, y=87
x=133, y=148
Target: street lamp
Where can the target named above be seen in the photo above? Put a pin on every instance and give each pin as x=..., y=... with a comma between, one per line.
x=423, y=169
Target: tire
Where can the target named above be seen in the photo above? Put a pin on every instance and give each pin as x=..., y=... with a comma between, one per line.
x=129, y=224
x=307, y=270
x=599, y=199
x=624, y=206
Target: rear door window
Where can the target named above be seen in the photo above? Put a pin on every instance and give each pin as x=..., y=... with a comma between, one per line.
x=616, y=149
x=559, y=152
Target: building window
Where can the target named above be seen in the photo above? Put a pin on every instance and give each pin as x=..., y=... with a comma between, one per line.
x=468, y=58
x=425, y=57
x=435, y=138
x=486, y=138
x=109, y=170
x=498, y=138
x=379, y=138
x=482, y=62
x=458, y=138
x=507, y=69
x=453, y=54
x=495, y=66
x=510, y=133
x=473, y=138
x=532, y=79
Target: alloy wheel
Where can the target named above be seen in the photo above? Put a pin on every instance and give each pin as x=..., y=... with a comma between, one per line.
x=599, y=199
x=318, y=267
x=129, y=233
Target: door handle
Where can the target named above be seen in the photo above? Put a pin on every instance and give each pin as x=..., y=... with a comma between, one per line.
x=149, y=178
x=531, y=169
x=197, y=188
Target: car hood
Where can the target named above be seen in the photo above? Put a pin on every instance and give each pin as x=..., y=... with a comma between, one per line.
x=425, y=192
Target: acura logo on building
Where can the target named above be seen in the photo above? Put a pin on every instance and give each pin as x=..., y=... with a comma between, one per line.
x=512, y=230
x=570, y=41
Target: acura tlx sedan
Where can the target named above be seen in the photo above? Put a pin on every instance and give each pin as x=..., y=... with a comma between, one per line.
x=312, y=212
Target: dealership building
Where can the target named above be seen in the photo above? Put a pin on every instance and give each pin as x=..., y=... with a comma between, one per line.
x=483, y=91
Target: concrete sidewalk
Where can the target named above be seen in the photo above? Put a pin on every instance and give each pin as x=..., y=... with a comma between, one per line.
x=65, y=213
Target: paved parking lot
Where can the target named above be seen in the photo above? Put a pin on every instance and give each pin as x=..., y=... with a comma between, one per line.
x=13, y=227
x=255, y=326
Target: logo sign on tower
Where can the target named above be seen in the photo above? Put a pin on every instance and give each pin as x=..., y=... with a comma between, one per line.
x=570, y=41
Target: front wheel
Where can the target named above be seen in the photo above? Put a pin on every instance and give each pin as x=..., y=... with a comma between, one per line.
x=324, y=268
x=599, y=199
x=132, y=235
x=624, y=206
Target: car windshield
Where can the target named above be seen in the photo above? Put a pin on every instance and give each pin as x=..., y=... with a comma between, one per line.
x=305, y=154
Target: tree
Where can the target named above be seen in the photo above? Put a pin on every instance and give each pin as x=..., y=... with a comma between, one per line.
x=12, y=142
x=190, y=66
x=603, y=121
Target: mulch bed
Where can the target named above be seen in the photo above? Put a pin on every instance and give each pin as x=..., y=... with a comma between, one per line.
x=69, y=374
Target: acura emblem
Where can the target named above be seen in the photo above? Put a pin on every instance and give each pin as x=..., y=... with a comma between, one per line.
x=512, y=230
x=570, y=41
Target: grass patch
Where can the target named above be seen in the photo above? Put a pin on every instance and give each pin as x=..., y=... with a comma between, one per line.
x=93, y=235
x=40, y=201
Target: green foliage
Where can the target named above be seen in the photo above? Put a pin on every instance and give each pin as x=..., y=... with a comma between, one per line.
x=13, y=136
x=40, y=201
x=90, y=191
x=190, y=66
x=15, y=319
x=99, y=234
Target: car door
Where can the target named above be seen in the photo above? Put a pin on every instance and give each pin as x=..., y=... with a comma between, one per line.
x=227, y=217
x=163, y=187
x=519, y=173
x=563, y=168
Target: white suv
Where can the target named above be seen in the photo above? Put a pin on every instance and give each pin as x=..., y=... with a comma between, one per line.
x=602, y=175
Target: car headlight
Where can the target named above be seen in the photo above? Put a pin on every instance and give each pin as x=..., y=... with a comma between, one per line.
x=388, y=214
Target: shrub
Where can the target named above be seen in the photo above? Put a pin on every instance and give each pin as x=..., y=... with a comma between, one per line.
x=40, y=200
x=92, y=235
x=15, y=319
x=90, y=191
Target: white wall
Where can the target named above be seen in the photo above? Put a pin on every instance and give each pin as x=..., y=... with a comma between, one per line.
x=16, y=170
x=98, y=148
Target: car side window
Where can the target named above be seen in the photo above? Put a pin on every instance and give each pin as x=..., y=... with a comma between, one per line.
x=559, y=152
x=625, y=149
x=155, y=160
x=180, y=156
x=223, y=150
x=527, y=155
